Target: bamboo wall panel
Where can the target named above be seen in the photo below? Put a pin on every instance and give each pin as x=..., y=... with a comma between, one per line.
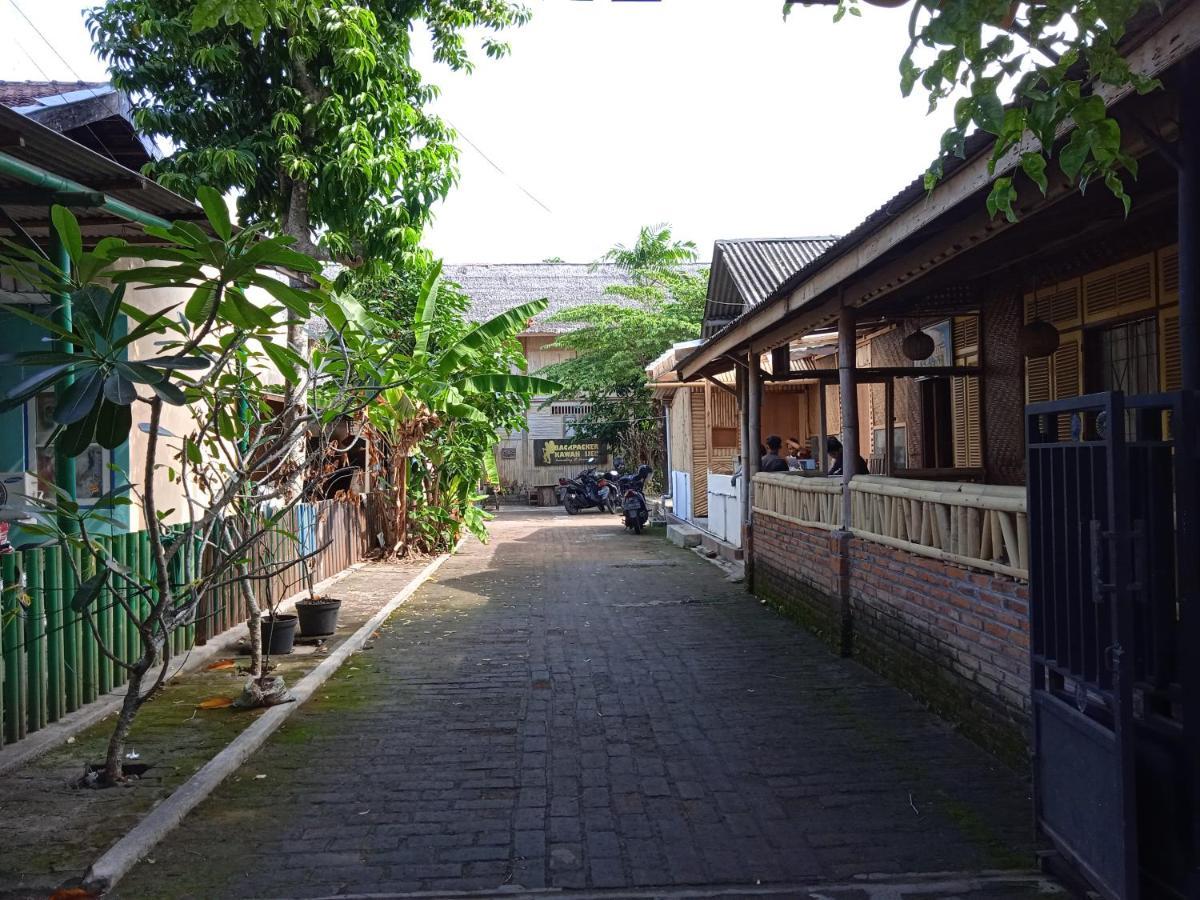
x=49, y=656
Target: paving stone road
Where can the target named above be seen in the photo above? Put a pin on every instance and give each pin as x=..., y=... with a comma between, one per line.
x=574, y=707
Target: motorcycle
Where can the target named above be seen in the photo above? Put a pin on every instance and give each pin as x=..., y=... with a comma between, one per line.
x=635, y=512
x=587, y=490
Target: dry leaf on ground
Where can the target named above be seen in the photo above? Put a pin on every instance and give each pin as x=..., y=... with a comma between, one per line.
x=220, y=664
x=215, y=703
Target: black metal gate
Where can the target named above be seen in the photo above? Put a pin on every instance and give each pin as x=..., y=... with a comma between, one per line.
x=1114, y=555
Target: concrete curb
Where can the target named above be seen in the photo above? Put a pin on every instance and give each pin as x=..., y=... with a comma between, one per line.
x=106, y=871
x=46, y=739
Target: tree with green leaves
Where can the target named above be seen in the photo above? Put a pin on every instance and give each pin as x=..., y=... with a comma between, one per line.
x=1024, y=72
x=216, y=354
x=310, y=111
x=614, y=342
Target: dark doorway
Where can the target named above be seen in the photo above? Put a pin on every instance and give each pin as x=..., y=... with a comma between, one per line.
x=937, y=424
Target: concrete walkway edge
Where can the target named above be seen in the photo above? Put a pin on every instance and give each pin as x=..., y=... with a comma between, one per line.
x=106, y=871
x=46, y=739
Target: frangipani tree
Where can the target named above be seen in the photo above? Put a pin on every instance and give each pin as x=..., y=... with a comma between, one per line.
x=219, y=352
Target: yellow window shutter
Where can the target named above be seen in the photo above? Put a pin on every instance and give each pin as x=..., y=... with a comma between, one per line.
x=1067, y=376
x=974, y=431
x=1057, y=304
x=964, y=403
x=1168, y=275
x=1037, y=379
x=1067, y=368
x=1170, y=352
x=1119, y=290
x=965, y=335
x=699, y=454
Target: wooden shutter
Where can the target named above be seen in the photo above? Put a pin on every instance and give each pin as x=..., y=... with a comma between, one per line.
x=1168, y=275
x=1169, y=350
x=1057, y=304
x=1067, y=376
x=1119, y=290
x=965, y=335
x=964, y=401
x=1056, y=377
x=1067, y=366
x=1037, y=379
x=699, y=454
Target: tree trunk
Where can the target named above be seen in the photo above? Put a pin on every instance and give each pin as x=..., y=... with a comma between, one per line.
x=402, y=505
x=114, y=762
x=253, y=623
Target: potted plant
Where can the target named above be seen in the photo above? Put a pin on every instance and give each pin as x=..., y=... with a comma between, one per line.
x=318, y=615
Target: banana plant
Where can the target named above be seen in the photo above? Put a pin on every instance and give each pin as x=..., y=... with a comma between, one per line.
x=436, y=387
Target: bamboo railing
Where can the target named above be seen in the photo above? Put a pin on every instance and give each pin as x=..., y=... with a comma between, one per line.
x=813, y=502
x=978, y=526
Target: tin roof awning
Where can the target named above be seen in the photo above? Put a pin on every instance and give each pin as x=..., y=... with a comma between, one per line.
x=39, y=167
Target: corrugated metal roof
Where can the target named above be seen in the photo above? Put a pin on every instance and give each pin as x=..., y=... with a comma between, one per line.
x=45, y=148
x=745, y=272
x=497, y=287
x=46, y=93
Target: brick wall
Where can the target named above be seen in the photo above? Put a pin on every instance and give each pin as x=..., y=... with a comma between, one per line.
x=955, y=638
x=800, y=571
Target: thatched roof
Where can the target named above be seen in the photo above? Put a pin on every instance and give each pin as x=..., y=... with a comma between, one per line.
x=497, y=287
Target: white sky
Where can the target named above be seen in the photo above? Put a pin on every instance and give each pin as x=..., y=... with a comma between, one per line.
x=712, y=115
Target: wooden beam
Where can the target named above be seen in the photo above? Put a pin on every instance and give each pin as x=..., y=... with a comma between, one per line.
x=877, y=374
x=722, y=385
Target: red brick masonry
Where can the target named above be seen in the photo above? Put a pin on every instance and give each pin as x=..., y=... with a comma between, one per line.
x=956, y=638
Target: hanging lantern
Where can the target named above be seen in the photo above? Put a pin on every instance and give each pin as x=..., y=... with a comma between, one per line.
x=1037, y=339
x=917, y=346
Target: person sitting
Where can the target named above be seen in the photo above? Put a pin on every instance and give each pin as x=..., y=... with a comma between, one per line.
x=772, y=461
x=833, y=448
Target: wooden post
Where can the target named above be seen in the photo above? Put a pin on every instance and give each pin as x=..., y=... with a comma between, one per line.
x=741, y=383
x=754, y=405
x=848, y=387
x=753, y=441
x=1189, y=222
x=822, y=403
x=889, y=415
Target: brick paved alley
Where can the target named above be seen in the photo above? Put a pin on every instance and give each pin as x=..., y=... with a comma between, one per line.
x=575, y=707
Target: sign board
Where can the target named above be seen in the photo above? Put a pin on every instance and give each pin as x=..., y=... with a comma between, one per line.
x=551, y=452
x=508, y=452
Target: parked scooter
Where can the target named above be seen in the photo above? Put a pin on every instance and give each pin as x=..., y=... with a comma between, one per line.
x=635, y=512
x=587, y=491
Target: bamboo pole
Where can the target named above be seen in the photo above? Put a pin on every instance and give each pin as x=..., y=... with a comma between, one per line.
x=35, y=641
x=56, y=696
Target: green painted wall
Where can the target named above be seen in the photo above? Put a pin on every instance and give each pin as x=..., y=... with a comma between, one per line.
x=17, y=335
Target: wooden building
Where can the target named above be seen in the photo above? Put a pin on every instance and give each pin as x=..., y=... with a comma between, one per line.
x=1025, y=560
